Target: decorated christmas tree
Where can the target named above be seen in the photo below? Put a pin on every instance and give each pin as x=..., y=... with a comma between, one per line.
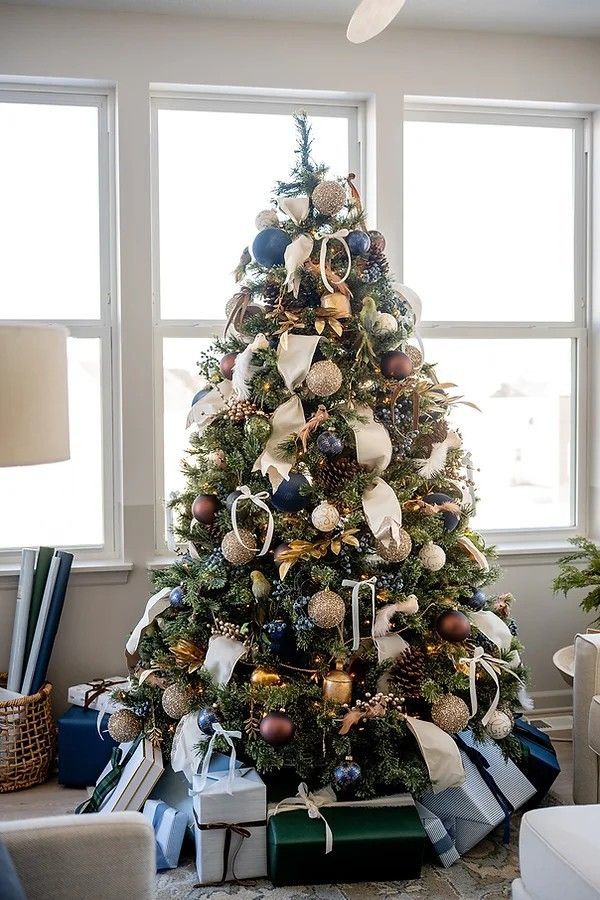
x=328, y=601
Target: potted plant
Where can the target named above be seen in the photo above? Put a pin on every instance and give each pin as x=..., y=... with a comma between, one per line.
x=581, y=569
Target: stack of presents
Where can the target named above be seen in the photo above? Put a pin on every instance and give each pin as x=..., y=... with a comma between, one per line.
x=243, y=828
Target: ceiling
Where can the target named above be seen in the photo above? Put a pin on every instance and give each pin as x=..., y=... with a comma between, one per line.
x=576, y=18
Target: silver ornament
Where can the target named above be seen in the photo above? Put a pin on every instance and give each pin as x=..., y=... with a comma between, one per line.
x=328, y=197
x=432, y=557
x=415, y=356
x=324, y=378
x=267, y=218
x=325, y=516
x=234, y=550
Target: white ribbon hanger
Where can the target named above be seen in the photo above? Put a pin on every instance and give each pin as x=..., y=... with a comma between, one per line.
x=259, y=500
x=325, y=237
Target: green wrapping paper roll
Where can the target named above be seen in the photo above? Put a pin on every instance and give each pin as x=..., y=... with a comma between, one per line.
x=378, y=843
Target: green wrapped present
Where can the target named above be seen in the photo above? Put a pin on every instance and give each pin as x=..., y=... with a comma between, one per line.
x=314, y=839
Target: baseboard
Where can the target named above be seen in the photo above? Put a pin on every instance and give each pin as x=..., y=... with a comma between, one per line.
x=551, y=703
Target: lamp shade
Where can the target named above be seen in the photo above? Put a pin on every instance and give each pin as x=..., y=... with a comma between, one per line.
x=34, y=413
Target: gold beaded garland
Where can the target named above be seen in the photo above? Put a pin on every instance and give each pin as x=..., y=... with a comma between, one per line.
x=234, y=551
x=124, y=726
x=450, y=713
x=324, y=378
x=326, y=609
x=397, y=551
x=176, y=701
x=328, y=197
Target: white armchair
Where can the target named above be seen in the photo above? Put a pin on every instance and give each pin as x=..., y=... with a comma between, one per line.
x=586, y=719
x=99, y=857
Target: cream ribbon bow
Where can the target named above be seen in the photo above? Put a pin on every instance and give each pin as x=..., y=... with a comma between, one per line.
x=259, y=500
x=311, y=802
x=325, y=237
x=356, y=586
x=489, y=663
x=218, y=731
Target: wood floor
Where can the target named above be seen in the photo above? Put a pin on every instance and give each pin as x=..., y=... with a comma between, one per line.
x=51, y=799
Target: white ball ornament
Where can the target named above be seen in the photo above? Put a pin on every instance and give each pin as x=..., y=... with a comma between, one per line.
x=325, y=516
x=499, y=725
x=385, y=323
x=432, y=557
x=267, y=218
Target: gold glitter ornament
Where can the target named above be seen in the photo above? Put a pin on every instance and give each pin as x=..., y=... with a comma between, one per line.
x=450, y=713
x=124, y=726
x=328, y=197
x=415, y=356
x=325, y=516
x=432, y=557
x=326, y=609
x=176, y=701
x=324, y=378
x=239, y=552
x=266, y=218
x=397, y=551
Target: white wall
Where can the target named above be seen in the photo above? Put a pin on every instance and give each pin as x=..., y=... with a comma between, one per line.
x=134, y=51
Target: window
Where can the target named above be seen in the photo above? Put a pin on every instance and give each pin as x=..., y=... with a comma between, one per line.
x=495, y=245
x=55, y=232
x=215, y=163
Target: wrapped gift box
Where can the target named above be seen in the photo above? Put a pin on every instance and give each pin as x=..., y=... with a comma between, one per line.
x=539, y=762
x=169, y=829
x=82, y=751
x=230, y=828
x=493, y=789
x=127, y=781
x=441, y=834
x=97, y=693
x=387, y=840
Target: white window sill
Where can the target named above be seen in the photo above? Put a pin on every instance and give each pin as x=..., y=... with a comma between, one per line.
x=83, y=572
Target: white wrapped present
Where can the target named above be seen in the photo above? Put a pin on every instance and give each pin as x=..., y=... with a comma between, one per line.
x=493, y=789
x=230, y=826
x=169, y=826
x=97, y=693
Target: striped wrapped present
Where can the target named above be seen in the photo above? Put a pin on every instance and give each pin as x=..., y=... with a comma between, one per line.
x=441, y=834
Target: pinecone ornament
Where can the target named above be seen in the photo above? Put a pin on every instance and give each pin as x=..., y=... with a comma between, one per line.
x=438, y=433
x=408, y=672
x=333, y=474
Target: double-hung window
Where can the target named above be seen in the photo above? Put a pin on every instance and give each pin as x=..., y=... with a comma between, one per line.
x=495, y=243
x=215, y=162
x=57, y=266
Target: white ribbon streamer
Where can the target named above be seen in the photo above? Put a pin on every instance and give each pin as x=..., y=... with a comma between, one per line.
x=373, y=443
x=497, y=631
x=440, y=754
x=259, y=500
x=415, y=305
x=244, y=371
x=474, y=552
x=221, y=657
x=295, y=255
x=382, y=511
x=154, y=607
x=294, y=358
x=356, y=586
x=218, y=731
x=489, y=664
x=325, y=238
x=294, y=207
x=185, y=741
x=208, y=407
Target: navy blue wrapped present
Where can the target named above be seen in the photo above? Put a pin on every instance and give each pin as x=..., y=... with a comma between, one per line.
x=82, y=752
x=538, y=762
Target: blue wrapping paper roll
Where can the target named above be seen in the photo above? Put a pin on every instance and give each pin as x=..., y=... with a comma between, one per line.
x=82, y=752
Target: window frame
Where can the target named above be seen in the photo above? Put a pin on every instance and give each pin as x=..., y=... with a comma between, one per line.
x=353, y=110
x=575, y=329
x=105, y=327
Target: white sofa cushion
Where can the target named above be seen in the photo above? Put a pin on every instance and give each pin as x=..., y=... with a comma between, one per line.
x=559, y=853
x=594, y=725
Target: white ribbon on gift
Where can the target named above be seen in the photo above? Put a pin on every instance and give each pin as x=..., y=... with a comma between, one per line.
x=294, y=359
x=259, y=500
x=218, y=731
x=325, y=237
x=154, y=607
x=497, y=631
x=221, y=657
x=373, y=443
x=185, y=741
x=382, y=511
x=489, y=664
x=208, y=407
x=244, y=371
x=311, y=802
x=356, y=586
x=295, y=255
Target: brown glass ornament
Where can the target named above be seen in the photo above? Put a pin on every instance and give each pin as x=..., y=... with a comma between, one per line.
x=337, y=685
x=396, y=364
x=277, y=729
x=453, y=626
x=227, y=365
x=204, y=508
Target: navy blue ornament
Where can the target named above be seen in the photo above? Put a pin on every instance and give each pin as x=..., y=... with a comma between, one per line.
x=231, y=498
x=347, y=773
x=359, y=243
x=269, y=246
x=290, y=495
x=281, y=638
x=477, y=601
x=329, y=444
x=202, y=393
x=206, y=719
x=177, y=597
x=450, y=519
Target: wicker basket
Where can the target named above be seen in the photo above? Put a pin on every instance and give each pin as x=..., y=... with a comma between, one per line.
x=27, y=739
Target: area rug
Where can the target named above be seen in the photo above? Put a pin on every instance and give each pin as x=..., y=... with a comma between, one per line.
x=485, y=873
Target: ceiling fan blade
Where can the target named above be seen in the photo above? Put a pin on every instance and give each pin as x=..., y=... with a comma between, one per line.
x=370, y=18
